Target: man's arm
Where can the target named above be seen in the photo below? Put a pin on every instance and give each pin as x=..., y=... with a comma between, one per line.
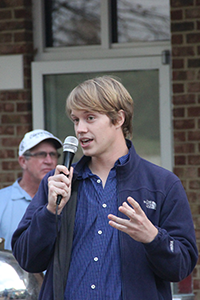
x=33, y=241
x=171, y=248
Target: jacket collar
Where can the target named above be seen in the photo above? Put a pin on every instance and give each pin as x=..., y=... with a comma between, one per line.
x=123, y=170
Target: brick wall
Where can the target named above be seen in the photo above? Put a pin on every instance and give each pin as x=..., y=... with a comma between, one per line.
x=185, y=28
x=16, y=37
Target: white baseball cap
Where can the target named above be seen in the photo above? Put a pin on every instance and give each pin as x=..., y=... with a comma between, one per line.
x=34, y=137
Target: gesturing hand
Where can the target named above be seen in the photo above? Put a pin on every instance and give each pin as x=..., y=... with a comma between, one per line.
x=138, y=226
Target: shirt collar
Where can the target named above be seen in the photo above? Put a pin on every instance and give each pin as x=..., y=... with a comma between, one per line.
x=18, y=193
x=86, y=172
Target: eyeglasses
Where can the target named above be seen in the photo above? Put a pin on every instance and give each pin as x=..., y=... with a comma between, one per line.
x=43, y=155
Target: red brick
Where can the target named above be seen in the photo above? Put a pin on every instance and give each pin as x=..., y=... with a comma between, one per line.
x=15, y=3
x=5, y=153
x=182, y=26
x=16, y=49
x=194, y=63
x=177, y=63
x=7, y=107
x=194, y=184
x=23, y=36
x=183, y=51
x=181, y=3
x=22, y=13
x=179, y=136
x=178, y=88
x=5, y=130
x=183, y=75
x=184, y=124
x=194, y=111
x=11, y=25
x=193, y=87
x=193, y=38
x=191, y=172
x=15, y=95
x=24, y=107
x=11, y=142
x=194, y=160
x=14, y=119
x=22, y=129
x=10, y=165
x=180, y=160
x=5, y=14
x=180, y=172
x=192, y=196
x=194, y=135
x=27, y=72
x=7, y=177
x=177, y=39
x=179, y=75
x=178, y=112
x=176, y=15
x=5, y=38
x=192, y=13
x=184, y=148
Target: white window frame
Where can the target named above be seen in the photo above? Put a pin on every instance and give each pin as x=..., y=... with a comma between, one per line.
x=104, y=50
x=39, y=69
x=130, y=56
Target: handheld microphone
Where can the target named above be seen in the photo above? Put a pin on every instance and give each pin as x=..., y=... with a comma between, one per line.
x=69, y=149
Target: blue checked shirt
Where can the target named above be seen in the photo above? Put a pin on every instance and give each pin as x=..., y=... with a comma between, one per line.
x=95, y=272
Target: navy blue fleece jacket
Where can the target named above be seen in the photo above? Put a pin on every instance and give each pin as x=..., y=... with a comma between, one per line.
x=147, y=269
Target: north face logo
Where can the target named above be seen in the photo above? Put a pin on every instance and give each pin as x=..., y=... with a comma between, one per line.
x=150, y=204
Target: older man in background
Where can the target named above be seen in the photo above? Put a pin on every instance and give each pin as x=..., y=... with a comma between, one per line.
x=37, y=156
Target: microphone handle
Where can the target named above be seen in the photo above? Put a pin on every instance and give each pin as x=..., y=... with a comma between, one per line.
x=67, y=161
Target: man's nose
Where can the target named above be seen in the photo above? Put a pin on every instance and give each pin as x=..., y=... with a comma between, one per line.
x=81, y=127
x=49, y=158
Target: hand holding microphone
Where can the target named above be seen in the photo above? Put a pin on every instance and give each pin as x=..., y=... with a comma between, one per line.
x=69, y=149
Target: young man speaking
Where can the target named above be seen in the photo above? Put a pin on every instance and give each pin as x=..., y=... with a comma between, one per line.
x=123, y=230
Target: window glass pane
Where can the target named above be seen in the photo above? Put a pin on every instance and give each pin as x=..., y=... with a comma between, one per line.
x=144, y=20
x=72, y=22
x=143, y=87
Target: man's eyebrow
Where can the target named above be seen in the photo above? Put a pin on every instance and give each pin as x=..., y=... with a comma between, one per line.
x=85, y=112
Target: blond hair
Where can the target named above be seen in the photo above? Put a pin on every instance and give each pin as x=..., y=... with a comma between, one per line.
x=105, y=95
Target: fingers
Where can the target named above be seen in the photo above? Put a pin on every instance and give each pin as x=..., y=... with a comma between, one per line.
x=135, y=205
x=59, y=184
x=61, y=169
x=138, y=226
x=118, y=226
x=129, y=211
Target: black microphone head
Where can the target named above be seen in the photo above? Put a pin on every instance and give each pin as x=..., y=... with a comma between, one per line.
x=70, y=144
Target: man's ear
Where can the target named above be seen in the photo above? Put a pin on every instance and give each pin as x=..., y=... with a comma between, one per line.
x=120, y=118
x=22, y=162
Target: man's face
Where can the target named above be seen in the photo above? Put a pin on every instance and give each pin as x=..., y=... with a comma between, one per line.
x=95, y=132
x=37, y=166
